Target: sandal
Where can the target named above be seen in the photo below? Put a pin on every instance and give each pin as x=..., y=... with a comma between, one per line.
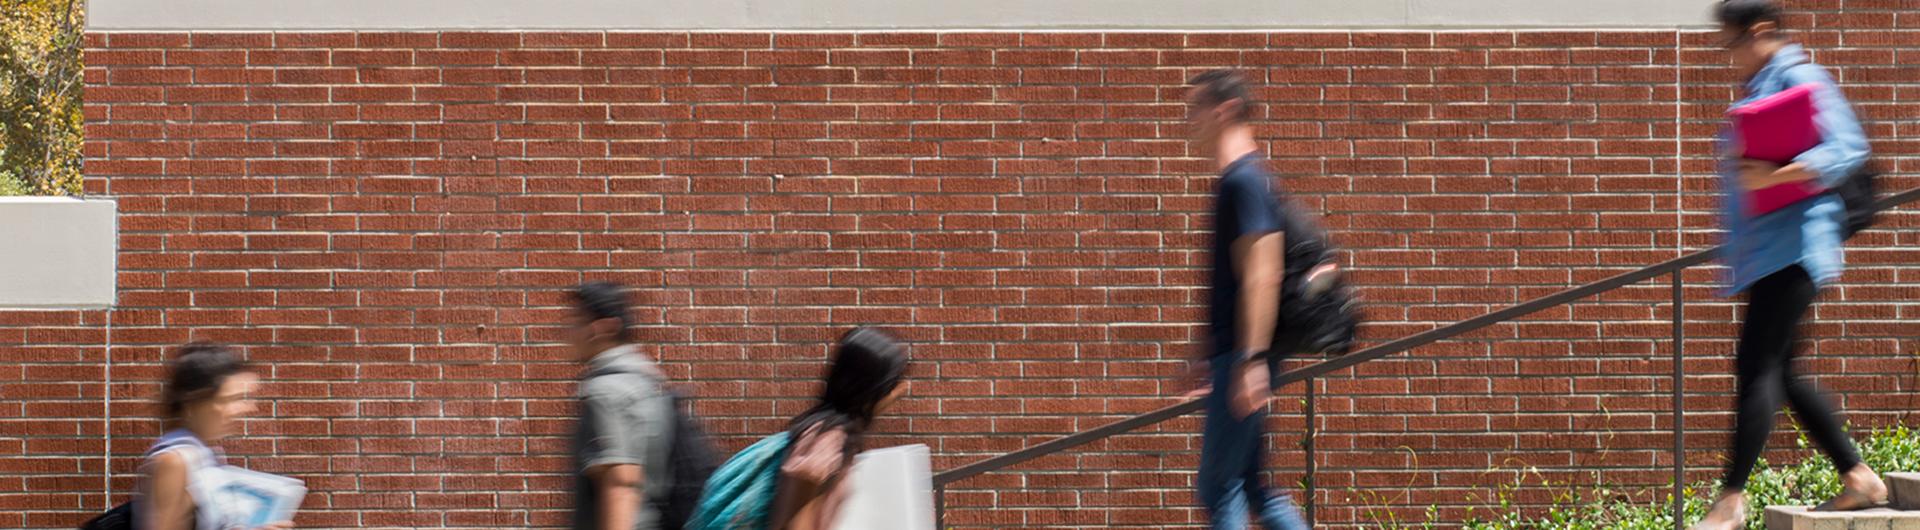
x=1850, y=500
x=1737, y=522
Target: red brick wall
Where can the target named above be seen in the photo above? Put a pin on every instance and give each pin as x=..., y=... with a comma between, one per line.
x=385, y=221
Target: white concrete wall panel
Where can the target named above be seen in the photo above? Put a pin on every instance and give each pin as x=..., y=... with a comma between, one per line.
x=57, y=252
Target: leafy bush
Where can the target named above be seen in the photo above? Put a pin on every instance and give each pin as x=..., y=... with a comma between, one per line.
x=40, y=92
x=1809, y=482
x=1813, y=481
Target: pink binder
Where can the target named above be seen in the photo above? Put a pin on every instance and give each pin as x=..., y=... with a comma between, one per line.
x=1776, y=129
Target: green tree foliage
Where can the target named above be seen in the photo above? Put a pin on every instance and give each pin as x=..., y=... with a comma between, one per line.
x=40, y=94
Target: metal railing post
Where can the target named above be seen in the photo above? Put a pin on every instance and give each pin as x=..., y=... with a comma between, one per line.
x=1313, y=482
x=1679, y=400
x=939, y=506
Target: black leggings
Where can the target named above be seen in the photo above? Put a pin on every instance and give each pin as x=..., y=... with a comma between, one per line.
x=1775, y=305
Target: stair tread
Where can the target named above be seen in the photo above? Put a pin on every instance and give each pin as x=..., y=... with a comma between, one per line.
x=1904, y=490
x=1903, y=514
x=1803, y=518
x=1808, y=510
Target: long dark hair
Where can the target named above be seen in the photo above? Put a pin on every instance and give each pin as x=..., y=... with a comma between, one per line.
x=867, y=365
x=194, y=375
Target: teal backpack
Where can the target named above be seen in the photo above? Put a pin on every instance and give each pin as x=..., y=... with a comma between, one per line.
x=740, y=494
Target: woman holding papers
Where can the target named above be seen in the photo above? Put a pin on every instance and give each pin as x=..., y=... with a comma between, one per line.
x=1784, y=241
x=863, y=381
x=207, y=391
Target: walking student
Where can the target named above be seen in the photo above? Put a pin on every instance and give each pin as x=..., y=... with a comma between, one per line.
x=862, y=383
x=207, y=392
x=625, y=431
x=1248, y=240
x=797, y=479
x=1779, y=259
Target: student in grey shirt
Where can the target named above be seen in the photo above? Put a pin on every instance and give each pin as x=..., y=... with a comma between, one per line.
x=626, y=418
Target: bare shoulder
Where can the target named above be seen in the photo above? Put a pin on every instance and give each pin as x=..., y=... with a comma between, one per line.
x=168, y=461
x=166, y=473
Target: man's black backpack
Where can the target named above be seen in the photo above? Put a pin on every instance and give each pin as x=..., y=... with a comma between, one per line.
x=1312, y=321
x=692, y=461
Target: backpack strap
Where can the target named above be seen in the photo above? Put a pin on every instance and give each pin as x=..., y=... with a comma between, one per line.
x=618, y=368
x=659, y=382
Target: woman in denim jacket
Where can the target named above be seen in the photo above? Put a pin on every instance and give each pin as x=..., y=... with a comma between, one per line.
x=1779, y=260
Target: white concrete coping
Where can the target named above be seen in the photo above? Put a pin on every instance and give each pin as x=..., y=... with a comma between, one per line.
x=852, y=15
x=58, y=252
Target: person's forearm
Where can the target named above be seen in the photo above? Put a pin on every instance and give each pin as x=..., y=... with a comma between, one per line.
x=618, y=507
x=1759, y=175
x=1795, y=172
x=794, y=495
x=1259, y=309
x=1259, y=262
x=619, y=487
x=1843, y=142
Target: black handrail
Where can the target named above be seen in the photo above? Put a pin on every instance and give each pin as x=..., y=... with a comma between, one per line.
x=1339, y=363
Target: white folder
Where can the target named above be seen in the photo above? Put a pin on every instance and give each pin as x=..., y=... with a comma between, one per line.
x=891, y=489
x=233, y=496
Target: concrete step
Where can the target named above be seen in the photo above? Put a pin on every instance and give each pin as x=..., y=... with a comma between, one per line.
x=1801, y=518
x=1906, y=490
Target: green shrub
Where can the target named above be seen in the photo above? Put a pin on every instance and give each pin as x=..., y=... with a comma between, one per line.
x=1809, y=482
x=1813, y=480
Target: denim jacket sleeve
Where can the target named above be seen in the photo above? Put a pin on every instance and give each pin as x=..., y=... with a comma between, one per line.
x=1843, y=147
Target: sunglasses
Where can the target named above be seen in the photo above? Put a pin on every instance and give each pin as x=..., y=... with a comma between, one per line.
x=1735, y=41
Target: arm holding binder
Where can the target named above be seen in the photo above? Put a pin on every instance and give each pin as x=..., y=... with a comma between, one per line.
x=1798, y=143
x=1773, y=132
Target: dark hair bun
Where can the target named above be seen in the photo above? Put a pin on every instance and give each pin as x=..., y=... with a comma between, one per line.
x=1743, y=14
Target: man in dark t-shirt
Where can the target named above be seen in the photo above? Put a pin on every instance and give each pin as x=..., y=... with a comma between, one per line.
x=1249, y=236
x=1245, y=212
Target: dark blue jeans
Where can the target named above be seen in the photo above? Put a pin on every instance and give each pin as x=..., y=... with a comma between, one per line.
x=1232, y=453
